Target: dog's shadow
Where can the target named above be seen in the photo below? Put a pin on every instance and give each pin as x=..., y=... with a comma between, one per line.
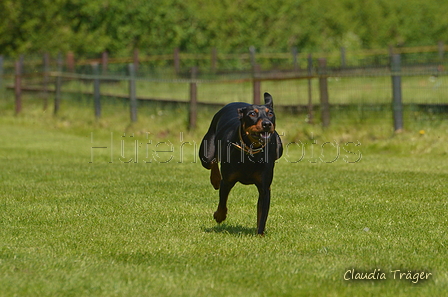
x=231, y=229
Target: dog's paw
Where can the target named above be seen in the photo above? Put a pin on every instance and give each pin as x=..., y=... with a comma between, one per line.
x=220, y=215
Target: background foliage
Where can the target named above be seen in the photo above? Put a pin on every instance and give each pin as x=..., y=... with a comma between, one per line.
x=156, y=26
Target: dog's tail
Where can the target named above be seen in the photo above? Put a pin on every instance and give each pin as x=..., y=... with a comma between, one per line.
x=207, y=150
x=208, y=159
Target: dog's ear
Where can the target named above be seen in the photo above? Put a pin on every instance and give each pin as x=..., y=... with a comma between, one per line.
x=268, y=100
x=241, y=112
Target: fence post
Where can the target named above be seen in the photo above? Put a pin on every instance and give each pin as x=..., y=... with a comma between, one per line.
x=17, y=86
x=132, y=93
x=441, y=50
x=310, y=91
x=96, y=90
x=70, y=61
x=136, y=61
x=295, y=60
x=176, y=60
x=214, y=60
x=256, y=84
x=58, y=87
x=323, y=90
x=46, y=69
x=104, y=63
x=252, y=52
x=396, y=93
x=1, y=75
x=391, y=50
x=343, y=60
x=193, y=99
x=21, y=59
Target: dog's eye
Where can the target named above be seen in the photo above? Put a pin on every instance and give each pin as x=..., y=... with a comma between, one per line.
x=270, y=114
x=252, y=114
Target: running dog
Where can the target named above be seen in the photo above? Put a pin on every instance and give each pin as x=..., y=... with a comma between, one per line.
x=243, y=139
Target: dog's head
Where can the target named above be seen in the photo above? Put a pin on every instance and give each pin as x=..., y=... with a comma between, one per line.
x=258, y=121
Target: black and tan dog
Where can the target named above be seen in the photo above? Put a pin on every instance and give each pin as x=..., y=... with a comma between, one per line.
x=242, y=138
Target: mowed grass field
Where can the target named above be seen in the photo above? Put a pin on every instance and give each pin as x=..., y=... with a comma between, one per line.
x=76, y=220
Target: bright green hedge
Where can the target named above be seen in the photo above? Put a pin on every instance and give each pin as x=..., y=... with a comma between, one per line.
x=156, y=26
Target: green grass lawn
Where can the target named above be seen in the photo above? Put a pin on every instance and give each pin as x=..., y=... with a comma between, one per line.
x=145, y=228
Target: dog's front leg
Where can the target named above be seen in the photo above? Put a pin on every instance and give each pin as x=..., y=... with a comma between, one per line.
x=224, y=190
x=264, y=201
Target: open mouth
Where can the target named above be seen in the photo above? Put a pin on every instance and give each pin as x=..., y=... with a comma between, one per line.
x=262, y=136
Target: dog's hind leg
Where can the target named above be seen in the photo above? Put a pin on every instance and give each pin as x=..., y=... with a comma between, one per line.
x=215, y=176
x=209, y=160
x=224, y=190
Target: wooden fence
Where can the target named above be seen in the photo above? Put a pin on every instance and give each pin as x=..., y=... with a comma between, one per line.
x=321, y=75
x=47, y=72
